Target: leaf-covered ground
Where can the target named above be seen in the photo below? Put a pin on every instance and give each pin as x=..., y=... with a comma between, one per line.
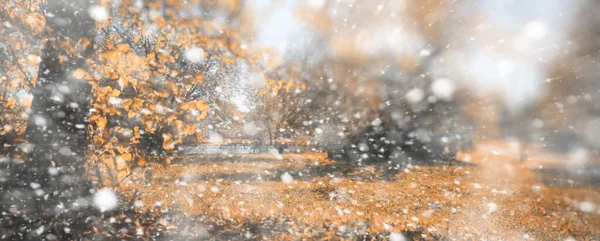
x=491, y=195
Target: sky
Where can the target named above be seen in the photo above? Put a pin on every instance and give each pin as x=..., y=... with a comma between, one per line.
x=508, y=52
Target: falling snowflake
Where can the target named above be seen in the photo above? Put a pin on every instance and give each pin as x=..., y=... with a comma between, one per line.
x=105, y=199
x=98, y=13
x=194, y=55
x=286, y=178
x=397, y=237
x=587, y=206
x=443, y=89
x=415, y=96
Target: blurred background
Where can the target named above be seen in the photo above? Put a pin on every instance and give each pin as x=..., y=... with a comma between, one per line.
x=518, y=70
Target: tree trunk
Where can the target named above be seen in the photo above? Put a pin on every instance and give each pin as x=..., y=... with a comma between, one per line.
x=270, y=133
x=48, y=185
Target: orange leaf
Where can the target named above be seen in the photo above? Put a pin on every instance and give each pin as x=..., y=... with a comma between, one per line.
x=98, y=141
x=122, y=149
x=141, y=161
x=79, y=73
x=127, y=156
x=123, y=48
x=201, y=106
x=101, y=122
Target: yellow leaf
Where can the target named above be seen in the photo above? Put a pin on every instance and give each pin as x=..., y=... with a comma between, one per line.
x=122, y=149
x=10, y=103
x=201, y=105
x=124, y=48
x=200, y=77
x=79, y=73
x=127, y=156
x=116, y=93
x=98, y=141
x=188, y=105
x=168, y=143
x=101, y=122
x=137, y=104
x=136, y=131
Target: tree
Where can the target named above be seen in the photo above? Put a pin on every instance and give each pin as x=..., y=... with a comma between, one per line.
x=372, y=87
x=99, y=92
x=48, y=184
x=280, y=107
x=19, y=51
x=569, y=109
x=155, y=80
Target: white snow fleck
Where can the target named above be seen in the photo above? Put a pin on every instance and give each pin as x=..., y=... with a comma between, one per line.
x=587, y=206
x=425, y=52
x=397, y=237
x=39, y=192
x=415, y=96
x=286, y=178
x=492, y=207
x=34, y=185
x=443, y=88
x=98, y=13
x=115, y=101
x=427, y=213
x=64, y=89
x=39, y=121
x=537, y=123
x=363, y=147
x=105, y=199
x=194, y=55
x=53, y=171
x=319, y=131
x=214, y=189
x=251, y=128
x=376, y=122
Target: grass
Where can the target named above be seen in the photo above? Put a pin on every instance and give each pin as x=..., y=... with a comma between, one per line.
x=243, y=196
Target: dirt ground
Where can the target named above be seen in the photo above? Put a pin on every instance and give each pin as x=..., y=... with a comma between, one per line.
x=490, y=195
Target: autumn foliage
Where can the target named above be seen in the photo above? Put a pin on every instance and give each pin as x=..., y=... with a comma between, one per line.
x=151, y=61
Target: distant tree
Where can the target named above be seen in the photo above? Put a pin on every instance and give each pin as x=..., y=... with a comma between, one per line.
x=366, y=84
x=280, y=107
x=570, y=102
